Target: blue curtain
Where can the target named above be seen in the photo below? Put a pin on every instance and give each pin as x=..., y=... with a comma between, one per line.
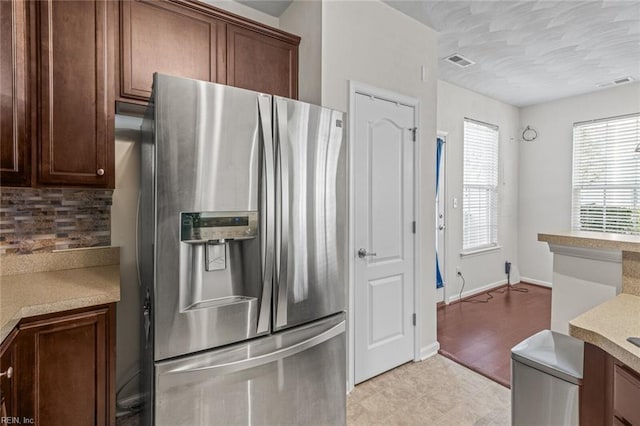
x=439, y=280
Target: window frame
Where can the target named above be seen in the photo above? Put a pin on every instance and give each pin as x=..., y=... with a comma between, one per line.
x=626, y=211
x=491, y=189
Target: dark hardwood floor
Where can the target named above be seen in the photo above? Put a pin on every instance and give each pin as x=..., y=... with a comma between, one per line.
x=480, y=335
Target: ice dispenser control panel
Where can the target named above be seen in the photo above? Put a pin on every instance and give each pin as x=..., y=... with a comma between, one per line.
x=215, y=226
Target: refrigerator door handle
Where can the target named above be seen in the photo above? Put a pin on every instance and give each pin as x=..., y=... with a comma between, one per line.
x=267, y=216
x=252, y=362
x=283, y=205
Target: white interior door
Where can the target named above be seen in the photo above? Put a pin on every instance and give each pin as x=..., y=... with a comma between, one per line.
x=384, y=235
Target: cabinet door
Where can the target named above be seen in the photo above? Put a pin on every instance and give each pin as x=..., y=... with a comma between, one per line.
x=157, y=36
x=7, y=377
x=76, y=111
x=262, y=63
x=15, y=152
x=70, y=377
x=626, y=395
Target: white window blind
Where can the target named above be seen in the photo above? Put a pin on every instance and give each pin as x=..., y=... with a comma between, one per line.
x=606, y=175
x=480, y=186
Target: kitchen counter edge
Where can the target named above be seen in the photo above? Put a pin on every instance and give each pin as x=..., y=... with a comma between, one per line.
x=25, y=295
x=608, y=325
x=593, y=240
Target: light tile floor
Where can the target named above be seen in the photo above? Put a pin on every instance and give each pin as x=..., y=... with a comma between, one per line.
x=436, y=391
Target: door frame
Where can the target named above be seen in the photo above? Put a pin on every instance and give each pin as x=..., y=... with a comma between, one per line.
x=445, y=136
x=356, y=87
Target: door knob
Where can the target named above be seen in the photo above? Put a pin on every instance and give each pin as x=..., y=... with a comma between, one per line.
x=100, y=172
x=362, y=253
x=441, y=227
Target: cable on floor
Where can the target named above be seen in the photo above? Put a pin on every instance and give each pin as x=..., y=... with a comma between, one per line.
x=490, y=296
x=510, y=287
x=471, y=300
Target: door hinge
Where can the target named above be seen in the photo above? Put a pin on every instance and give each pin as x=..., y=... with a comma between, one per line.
x=413, y=227
x=413, y=133
x=414, y=319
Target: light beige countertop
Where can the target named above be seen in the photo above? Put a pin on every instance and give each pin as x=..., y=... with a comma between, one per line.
x=595, y=240
x=608, y=325
x=46, y=283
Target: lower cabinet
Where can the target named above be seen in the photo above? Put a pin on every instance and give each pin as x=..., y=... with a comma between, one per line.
x=626, y=395
x=610, y=393
x=8, y=387
x=63, y=368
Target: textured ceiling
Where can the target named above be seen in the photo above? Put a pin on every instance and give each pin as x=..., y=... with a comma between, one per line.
x=527, y=52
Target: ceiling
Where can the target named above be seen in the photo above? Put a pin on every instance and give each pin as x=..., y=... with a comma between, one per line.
x=270, y=7
x=526, y=52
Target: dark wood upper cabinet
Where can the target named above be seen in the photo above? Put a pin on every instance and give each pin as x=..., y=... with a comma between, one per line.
x=192, y=39
x=262, y=63
x=15, y=152
x=158, y=36
x=63, y=63
x=75, y=51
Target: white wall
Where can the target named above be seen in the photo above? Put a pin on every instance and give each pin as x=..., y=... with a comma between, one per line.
x=487, y=268
x=304, y=18
x=123, y=231
x=371, y=42
x=546, y=169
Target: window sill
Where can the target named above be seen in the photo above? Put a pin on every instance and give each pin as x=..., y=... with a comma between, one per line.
x=476, y=252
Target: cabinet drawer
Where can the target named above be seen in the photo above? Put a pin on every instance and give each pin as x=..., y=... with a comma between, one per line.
x=626, y=395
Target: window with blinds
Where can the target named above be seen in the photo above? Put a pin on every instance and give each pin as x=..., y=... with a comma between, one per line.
x=606, y=175
x=480, y=186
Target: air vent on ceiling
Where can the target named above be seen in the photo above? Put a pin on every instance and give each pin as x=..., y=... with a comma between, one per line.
x=616, y=82
x=459, y=60
x=623, y=80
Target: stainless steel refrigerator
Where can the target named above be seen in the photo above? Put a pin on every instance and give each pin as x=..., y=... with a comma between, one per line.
x=242, y=255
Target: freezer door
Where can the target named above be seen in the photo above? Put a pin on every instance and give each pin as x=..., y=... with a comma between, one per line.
x=311, y=221
x=297, y=377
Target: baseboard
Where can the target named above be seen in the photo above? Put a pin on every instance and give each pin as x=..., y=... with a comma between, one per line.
x=429, y=351
x=475, y=291
x=536, y=282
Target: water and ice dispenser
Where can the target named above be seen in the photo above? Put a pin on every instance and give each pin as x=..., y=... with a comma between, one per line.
x=220, y=260
x=214, y=230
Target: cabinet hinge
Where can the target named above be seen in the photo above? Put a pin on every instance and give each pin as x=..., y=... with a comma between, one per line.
x=413, y=133
x=413, y=227
x=414, y=319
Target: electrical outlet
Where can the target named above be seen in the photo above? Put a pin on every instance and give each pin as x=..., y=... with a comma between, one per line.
x=458, y=270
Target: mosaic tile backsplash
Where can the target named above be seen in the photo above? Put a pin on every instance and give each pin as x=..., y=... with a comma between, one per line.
x=34, y=220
